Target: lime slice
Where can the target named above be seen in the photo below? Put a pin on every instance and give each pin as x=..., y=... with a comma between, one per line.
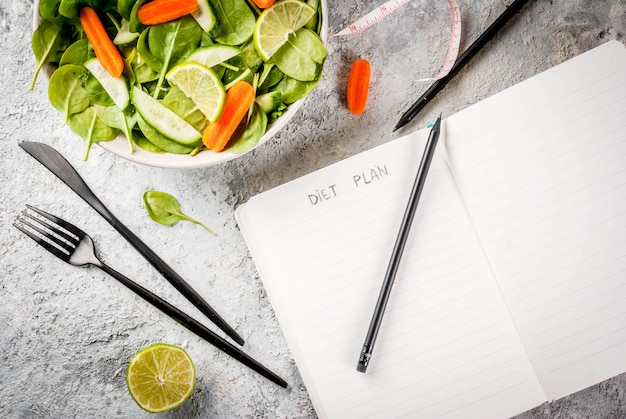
x=163, y=119
x=160, y=377
x=201, y=85
x=277, y=22
x=212, y=55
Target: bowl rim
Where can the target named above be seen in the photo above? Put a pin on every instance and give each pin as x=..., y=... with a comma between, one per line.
x=206, y=158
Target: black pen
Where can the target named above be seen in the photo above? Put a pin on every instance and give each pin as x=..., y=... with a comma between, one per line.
x=396, y=254
x=460, y=63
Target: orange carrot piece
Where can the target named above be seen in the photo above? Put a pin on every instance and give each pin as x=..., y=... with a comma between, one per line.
x=239, y=98
x=161, y=11
x=263, y=4
x=105, y=50
x=358, y=86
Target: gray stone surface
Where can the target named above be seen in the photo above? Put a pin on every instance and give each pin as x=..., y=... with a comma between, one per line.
x=67, y=333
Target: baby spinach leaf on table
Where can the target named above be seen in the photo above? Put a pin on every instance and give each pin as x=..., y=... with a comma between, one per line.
x=66, y=90
x=236, y=21
x=48, y=44
x=88, y=125
x=171, y=42
x=165, y=209
x=246, y=137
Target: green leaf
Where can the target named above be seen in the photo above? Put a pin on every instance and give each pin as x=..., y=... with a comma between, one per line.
x=236, y=21
x=170, y=43
x=48, y=45
x=115, y=118
x=165, y=209
x=302, y=56
x=66, y=90
x=88, y=125
x=160, y=141
x=247, y=136
x=77, y=53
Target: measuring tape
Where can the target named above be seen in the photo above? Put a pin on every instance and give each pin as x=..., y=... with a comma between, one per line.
x=386, y=9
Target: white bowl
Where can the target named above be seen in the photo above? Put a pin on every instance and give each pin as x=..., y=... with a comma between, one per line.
x=119, y=146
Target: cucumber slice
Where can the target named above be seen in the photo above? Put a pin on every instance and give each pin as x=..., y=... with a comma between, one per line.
x=212, y=55
x=115, y=86
x=163, y=119
x=124, y=35
x=204, y=16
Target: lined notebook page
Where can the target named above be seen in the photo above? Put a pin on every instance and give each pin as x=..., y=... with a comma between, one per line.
x=447, y=346
x=542, y=169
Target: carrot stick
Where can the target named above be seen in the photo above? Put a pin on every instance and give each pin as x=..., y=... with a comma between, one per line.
x=263, y=4
x=105, y=50
x=239, y=98
x=161, y=11
x=358, y=86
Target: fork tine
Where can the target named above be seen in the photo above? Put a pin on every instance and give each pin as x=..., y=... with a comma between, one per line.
x=43, y=243
x=61, y=222
x=67, y=247
x=72, y=239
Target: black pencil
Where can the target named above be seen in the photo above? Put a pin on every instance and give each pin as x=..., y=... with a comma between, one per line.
x=398, y=249
x=460, y=63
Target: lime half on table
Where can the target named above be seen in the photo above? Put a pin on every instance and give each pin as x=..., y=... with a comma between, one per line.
x=160, y=377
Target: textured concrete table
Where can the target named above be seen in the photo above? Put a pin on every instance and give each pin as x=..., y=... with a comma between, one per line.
x=67, y=333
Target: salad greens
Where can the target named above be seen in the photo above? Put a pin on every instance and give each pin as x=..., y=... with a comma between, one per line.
x=91, y=103
x=165, y=209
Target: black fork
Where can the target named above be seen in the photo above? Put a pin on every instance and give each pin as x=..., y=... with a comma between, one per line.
x=74, y=246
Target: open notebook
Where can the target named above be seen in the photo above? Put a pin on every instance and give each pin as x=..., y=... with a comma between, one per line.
x=511, y=291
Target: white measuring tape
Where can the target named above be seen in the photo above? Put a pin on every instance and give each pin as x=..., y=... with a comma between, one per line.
x=386, y=9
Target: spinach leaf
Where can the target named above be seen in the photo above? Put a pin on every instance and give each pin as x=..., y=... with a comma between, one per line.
x=302, y=56
x=77, y=53
x=143, y=143
x=66, y=90
x=124, y=8
x=69, y=8
x=165, y=209
x=49, y=10
x=88, y=125
x=115, y=118
x=160, y=141
x=247, y=136
x=171, y=42
x=236, y=21
x=184, y=107
x=292, y=90
x=48, y=44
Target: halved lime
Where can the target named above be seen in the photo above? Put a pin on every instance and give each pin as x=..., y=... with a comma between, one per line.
x=277, y=22
x=160, y=377
x=201, y=85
